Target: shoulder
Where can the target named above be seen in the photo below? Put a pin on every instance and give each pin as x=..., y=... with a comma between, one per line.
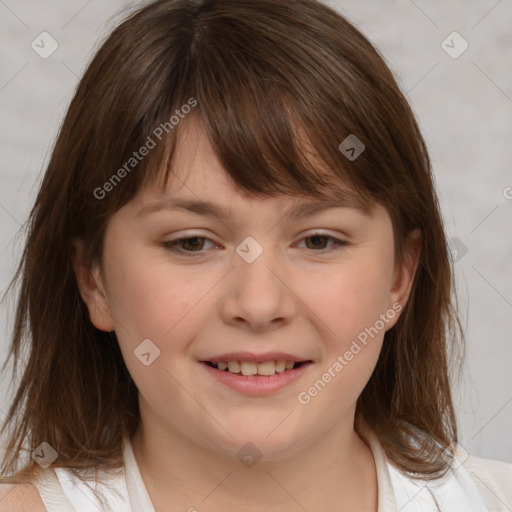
x=20, y=498
x=493, y=479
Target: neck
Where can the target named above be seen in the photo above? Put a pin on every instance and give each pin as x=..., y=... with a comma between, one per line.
x=336, y=472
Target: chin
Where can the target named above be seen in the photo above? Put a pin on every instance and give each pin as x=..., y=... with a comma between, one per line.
x=272, y=439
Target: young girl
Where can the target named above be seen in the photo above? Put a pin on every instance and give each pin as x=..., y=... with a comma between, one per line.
x=236, y=291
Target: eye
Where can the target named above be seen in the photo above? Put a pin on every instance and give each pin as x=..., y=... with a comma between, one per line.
x=187, y=245
x=318, y=241
x=194, y=244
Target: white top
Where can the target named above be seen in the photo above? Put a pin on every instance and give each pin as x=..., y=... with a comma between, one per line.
x=475, y=485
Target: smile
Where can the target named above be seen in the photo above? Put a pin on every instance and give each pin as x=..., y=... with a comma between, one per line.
x=247, y=368
x=256, y=379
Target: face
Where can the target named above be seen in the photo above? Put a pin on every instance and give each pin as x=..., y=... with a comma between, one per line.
x=258, y=284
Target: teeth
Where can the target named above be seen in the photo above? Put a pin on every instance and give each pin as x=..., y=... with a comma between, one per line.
x=247, y=368
x=234, y=366
x=280, y=366
x=267, y=368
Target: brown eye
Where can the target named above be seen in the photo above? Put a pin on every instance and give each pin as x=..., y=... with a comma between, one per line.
x=320, y=241
x=193, y=243
x=187, y=245
x=317, y=241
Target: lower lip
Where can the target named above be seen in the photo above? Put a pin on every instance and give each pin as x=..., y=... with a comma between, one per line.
x=256, y=385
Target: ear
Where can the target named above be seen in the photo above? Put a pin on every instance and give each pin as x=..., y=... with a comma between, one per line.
x=403, y=276
x=91, y=288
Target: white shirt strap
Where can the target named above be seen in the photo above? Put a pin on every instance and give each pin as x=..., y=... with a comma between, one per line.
x=51, y=492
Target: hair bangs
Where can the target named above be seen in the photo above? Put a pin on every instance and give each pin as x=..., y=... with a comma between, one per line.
x=260, y=136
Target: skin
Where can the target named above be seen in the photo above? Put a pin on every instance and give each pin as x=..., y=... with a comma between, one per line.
x=298, y=296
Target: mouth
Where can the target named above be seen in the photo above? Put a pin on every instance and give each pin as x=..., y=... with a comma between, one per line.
x=264, y=375
x=249, y=368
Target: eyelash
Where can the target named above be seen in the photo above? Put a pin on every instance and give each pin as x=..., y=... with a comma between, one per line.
x=170, y=245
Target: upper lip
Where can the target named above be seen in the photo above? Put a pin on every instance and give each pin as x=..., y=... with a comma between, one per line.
x=254, y=358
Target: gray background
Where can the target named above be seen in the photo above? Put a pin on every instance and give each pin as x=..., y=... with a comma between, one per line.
x=464, y=106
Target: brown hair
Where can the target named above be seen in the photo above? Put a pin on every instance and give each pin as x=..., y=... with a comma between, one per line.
x=261, y=73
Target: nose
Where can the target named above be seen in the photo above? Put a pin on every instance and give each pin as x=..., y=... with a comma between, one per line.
x=259, y=295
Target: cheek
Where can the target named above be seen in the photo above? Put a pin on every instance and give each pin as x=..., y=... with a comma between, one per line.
x=151, y=300
x=147, y=295
x=348, y=299
x=349, y=306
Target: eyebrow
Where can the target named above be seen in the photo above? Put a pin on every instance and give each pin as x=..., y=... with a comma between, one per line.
x=210, y=209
